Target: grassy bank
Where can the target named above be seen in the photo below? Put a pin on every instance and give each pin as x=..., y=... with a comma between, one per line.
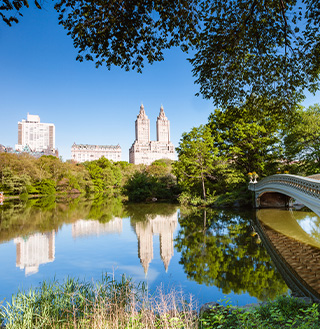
x=103, y=304
x=112, y=304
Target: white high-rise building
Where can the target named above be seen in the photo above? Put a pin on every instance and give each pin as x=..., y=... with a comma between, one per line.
x=145, y=151
x=36, y=135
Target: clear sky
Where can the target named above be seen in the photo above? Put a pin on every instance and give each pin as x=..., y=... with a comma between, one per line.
x=39, y=75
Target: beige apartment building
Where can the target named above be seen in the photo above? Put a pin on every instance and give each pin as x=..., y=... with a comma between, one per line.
x=144, y=151
x=36, y=135
x=85, y=152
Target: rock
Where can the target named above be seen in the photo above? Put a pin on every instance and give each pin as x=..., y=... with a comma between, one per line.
x=249, y=307
x=307, y=300
x=208, y=307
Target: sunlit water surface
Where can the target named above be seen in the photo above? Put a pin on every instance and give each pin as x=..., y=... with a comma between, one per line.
x=213, y=255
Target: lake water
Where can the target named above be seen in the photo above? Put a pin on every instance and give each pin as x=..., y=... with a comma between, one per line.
x=213, y=255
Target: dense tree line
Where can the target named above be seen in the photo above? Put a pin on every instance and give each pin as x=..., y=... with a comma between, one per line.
x=214, y=161
x=24, y=175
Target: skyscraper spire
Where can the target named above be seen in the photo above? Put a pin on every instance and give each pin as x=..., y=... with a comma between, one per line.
x=142, y=113
x=162, y=114
x=142, y=126
x=163, y=127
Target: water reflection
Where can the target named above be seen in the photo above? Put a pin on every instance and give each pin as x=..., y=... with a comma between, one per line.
x=38, y=248
x=220, y=248
x=299, y=225
x=295, y=253
x=32, y=249
x=46, y=214
x=164, y=226
x=84, y=227
x=161, y=225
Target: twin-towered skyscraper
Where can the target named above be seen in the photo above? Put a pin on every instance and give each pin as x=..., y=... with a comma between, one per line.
x=144, y=151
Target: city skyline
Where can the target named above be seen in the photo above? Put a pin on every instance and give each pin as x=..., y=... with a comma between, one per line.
x=89, y=105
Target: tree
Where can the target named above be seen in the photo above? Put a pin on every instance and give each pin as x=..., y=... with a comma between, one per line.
x=252, y=142
x=142, y=186
x=267, y=48
x=47, y=187
x=197, y=158
x=14, y=184
x=126, y=33
x=302, y=140
x=243, y=48
x=9, y=8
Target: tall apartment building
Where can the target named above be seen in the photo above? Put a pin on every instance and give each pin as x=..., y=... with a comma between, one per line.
x=145, y=151
x=85, y=152
x=37, y=136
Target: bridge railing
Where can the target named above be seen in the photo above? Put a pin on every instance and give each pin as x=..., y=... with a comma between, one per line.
x=304, y=185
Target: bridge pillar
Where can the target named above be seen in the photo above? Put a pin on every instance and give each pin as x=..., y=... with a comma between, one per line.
x=272, y=200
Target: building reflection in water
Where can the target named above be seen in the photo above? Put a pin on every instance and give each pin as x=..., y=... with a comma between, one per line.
x=38, y=248
x=83, y=227
x=162, y=225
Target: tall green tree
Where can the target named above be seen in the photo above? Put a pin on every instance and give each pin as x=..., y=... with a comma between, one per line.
x=197, y=160
x=104, y=173
x=249, y=138
x=302, y=140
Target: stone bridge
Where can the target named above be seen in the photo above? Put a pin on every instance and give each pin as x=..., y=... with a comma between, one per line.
x=281, y=190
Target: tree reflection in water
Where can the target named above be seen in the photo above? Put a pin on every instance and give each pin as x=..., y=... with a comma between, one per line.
x=19, y=218
x=219, y=247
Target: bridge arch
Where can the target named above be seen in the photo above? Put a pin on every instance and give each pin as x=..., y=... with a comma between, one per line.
x=284, y=186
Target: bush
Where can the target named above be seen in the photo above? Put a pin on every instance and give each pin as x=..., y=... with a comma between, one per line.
x=284, y=312
x=143, y=186
x=46, y=187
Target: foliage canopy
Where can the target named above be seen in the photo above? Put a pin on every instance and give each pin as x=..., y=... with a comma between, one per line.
x=243, y=48
x=302, y=140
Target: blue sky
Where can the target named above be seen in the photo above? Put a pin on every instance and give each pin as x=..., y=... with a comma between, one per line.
x=39, y=75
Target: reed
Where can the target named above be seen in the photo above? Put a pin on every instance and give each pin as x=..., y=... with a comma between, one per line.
x=104, y=304
x=111, y=304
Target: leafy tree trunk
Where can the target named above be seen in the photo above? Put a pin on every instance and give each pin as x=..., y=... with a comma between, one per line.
x=203, y=187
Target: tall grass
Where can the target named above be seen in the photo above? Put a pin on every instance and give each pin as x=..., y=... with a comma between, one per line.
x=121, y=304
x=104, y=304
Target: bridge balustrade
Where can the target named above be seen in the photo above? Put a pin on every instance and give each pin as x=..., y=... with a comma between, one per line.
x=304, y=189
x=305, y=185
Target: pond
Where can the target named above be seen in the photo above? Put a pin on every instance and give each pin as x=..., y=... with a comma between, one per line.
x=213, y=254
